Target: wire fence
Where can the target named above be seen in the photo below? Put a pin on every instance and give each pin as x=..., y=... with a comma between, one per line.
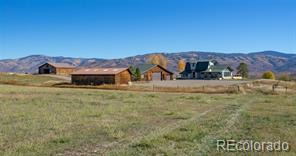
x=238, y=88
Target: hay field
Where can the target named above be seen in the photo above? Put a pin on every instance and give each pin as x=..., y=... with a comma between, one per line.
x=64, y=121
x=31, y=80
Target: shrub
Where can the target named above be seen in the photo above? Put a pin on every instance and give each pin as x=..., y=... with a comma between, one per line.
x=285, y=77
x=268, y=75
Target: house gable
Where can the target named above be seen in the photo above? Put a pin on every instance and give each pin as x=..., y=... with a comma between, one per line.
x=206, y=69
x=152, y=72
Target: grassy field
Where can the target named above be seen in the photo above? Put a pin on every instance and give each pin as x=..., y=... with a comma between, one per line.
x=61, y=121
x=29, y=80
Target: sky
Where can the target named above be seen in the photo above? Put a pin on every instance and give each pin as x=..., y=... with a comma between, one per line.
x=122, y=28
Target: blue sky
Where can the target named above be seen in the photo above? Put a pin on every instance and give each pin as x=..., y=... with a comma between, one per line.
x=120, y=28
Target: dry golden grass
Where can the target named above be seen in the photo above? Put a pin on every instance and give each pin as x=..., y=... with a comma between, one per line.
x=263, y=86
x=66, y=121
x=29, y=80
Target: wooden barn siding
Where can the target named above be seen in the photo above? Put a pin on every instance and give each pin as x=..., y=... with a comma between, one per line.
x=120, y=78
x=54, y=70
x=93, y=79
x=148, y=74
x=47, y=66
x=123, y=77
x=64, y=71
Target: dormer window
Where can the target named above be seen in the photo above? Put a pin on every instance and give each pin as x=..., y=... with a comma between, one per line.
x=211, y=63
x=193, y=65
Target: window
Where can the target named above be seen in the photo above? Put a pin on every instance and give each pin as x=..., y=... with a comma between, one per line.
x=227, y=74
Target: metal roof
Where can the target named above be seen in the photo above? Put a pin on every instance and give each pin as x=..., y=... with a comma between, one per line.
x=218, y=68
x=60, y=65
x=204, y=66
x=201, y=66
x=145, y=67
x=99, y=71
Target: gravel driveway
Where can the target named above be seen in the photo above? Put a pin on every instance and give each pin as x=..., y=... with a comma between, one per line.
x=190, y=83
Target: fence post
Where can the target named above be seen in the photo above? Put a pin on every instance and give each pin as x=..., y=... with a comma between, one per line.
x=153, y=87
x=238, y=89
x=273, y=87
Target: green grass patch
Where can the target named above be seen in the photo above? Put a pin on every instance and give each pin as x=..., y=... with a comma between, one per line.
x=51, y=121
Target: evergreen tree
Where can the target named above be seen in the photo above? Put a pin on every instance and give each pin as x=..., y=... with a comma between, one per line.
x=138, y=74
x=133, y=71
x=243, y=70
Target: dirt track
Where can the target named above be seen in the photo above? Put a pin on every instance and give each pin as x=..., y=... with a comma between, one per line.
x=191, y=83
x=66, y=78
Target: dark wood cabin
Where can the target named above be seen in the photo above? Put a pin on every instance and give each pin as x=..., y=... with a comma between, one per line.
x=99, y=76
x=56, y=68
x=151, y=72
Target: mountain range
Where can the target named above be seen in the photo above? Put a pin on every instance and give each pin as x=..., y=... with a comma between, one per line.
x=258, y=61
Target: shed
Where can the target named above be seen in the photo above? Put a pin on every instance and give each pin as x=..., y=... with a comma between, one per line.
x=99, y=76
x=151, y=72
x=56, y=68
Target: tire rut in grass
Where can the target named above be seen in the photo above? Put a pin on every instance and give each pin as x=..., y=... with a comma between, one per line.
x=126, y=143
x=121, y=145
x=206, y=141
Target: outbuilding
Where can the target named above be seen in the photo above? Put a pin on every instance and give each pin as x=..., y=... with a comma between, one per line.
x=99, y=76
x=151, y=72
x=56, y=68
